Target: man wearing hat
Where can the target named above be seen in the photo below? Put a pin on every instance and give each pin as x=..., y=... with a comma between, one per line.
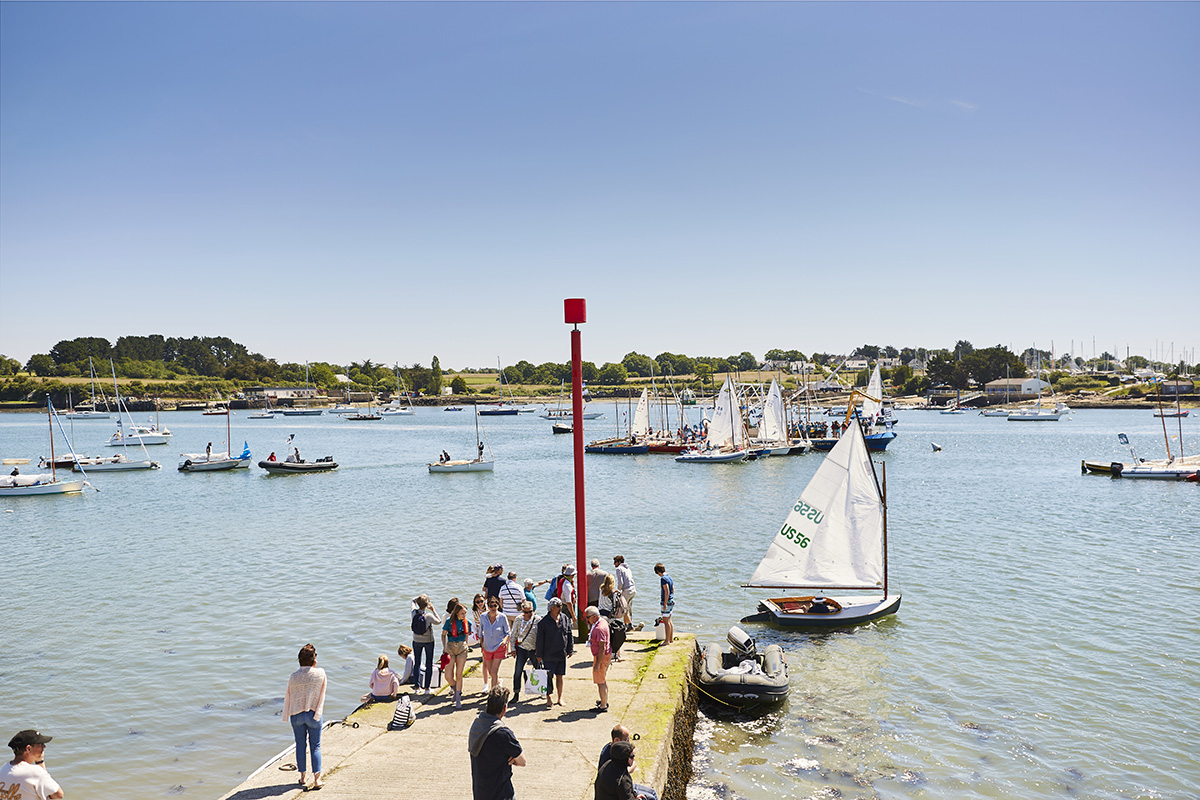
x=554, y=644
x=566, y=591
x=25, y=777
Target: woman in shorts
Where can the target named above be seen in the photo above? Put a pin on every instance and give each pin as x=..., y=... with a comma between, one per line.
x=454, y=645
x=493, y=640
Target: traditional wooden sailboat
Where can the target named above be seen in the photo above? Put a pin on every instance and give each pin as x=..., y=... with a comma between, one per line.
x=725, y=441
x=834, y=539
x=478, y=464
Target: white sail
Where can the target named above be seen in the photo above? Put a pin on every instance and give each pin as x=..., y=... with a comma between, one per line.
x=873, y=403
x=771, y=426
x=833, y=537
x=641, y=417
x=726, y=429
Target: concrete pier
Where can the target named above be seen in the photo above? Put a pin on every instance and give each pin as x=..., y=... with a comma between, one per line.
x=649, y=692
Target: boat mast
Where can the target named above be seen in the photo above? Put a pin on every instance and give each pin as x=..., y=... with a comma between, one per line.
x=882, y=501
x=50, y=422
x=1166, y=440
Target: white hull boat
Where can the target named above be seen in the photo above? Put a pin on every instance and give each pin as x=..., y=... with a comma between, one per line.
x=139, y=434
x=117, y=463
x=712, y=456
x=478, y=465
x=32, y=485
x=80, y=416
x=302, y=412
x=396, y=411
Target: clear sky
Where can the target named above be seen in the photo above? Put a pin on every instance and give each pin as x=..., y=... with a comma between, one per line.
x=339, y=181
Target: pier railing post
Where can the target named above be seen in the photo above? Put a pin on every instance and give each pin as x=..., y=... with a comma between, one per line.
x=575, y=312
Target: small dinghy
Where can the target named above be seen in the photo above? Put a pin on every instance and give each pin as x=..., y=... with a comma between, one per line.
x=743, y=678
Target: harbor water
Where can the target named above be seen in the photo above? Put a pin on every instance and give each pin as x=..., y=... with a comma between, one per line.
x=1048, y=643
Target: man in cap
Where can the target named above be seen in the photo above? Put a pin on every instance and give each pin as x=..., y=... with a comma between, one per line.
x=25, y=776
x=554, y=644
x=566, y=591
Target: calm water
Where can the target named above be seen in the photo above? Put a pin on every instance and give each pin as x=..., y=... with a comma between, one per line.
x=1048, y=644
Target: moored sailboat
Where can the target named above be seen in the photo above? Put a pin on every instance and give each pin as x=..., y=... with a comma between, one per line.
x=834, y=539
x=17, y=485
x=726, y=438
x=477, y=464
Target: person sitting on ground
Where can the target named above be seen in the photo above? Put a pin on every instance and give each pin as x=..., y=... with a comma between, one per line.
x=409, y=673
x=613, y=781
x=621, y=734
x=819, y=605
x=385, y=684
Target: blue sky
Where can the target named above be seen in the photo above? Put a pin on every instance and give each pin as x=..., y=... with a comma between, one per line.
x=398, y=180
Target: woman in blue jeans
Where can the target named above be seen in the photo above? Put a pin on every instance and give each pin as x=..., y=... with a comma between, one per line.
x=303, y=702
x=423, y=642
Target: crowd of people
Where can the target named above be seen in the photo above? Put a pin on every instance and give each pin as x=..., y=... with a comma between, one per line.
x=503, y=621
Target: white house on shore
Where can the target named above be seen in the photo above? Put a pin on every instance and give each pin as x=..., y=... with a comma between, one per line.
x=1015, y=387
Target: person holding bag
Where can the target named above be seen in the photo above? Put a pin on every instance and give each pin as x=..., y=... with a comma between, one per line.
x=524, y=637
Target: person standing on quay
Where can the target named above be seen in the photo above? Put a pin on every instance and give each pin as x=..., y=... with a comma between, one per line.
x=494, y=634
x=625, y=586
x=511, y=598
x=667, y=597
x=26, y=775
x=494, y=751
x=595, y=579
x=303, y=702
x=598, y=641
x=494, y=581
x=454, y=645
x=555, y=643
x=566, y=591
x=423, y=623
x=524, y=639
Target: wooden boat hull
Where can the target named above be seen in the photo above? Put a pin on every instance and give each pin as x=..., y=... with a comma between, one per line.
x=672, y=448
x=1172, y=414
x=463, y=466
x=789, y=612
x=618, y=449
x=566, y=415
x=297, y=467
x=743, y=691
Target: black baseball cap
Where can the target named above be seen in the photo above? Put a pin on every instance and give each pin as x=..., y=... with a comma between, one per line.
x=26, y=738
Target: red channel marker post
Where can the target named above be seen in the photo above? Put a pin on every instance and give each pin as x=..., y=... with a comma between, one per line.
x=574, y=313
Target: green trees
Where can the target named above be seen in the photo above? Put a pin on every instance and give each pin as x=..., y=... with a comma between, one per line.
x=458, y=385
x=612, y=375
x=9, y=366
x=639, y=365
x=41, y=365
x=435, y=376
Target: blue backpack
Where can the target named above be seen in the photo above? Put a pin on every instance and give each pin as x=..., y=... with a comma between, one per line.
x=420, y=625
x=552, y=590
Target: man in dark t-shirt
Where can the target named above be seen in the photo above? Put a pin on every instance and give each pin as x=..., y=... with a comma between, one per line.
x=494, y=581
x=494, y=751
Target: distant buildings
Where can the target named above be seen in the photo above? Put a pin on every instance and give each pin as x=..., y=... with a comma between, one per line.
x=1015, y=387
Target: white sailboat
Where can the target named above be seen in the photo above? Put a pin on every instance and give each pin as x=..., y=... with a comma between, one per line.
x=209, y=461
x=834, y=539
x=395, y=408
x=305, y=410
x=85, y=414
x=726, y=439
x=42, y=483
x=1038, y=412
x=136, y=435
x=477, y=464
x=772, y=426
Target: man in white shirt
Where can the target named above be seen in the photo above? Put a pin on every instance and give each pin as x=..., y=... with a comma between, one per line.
x=624, y=578
x=25, y=777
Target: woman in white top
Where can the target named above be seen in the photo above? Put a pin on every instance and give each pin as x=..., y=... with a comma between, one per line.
x=303, y=702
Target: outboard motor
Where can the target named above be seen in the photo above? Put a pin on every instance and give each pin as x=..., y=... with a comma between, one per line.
x=742, y=642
